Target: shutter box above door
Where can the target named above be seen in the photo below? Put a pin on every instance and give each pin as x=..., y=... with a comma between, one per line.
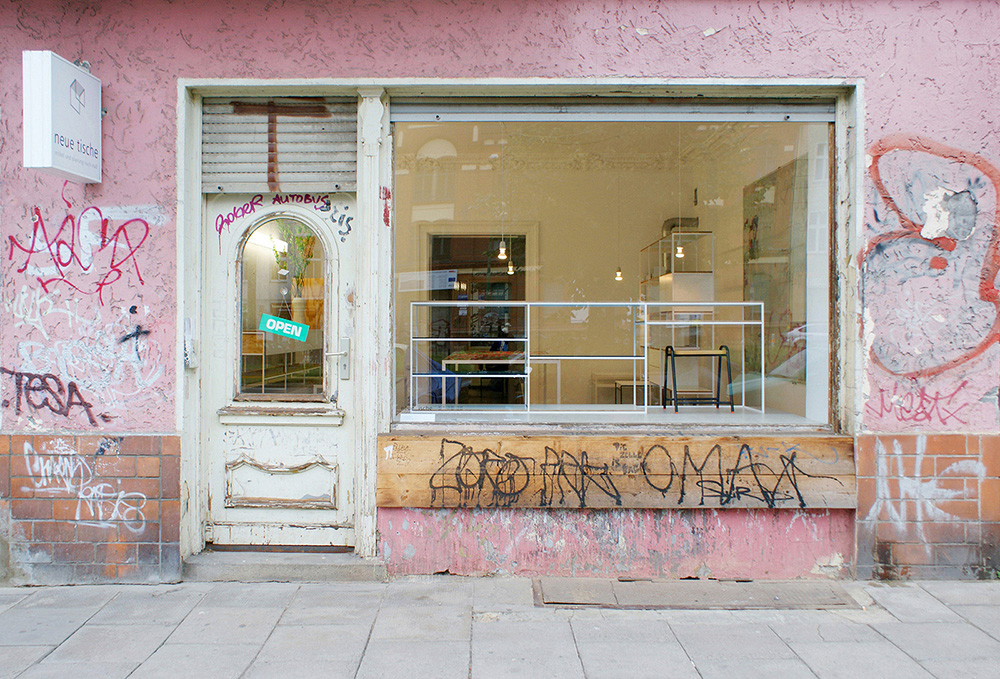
x=287, y=144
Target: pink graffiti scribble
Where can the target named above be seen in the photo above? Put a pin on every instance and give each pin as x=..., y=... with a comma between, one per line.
x=918, y=406
x=88, y=270
x=942, y=246
x=224, y=221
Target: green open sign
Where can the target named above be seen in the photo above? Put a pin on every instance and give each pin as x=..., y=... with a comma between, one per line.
x=283, y=327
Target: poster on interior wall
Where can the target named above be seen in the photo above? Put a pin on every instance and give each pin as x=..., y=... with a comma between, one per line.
x=774, y=211
x=62, y=118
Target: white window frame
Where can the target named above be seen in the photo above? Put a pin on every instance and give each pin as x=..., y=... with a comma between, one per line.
x=810, y=104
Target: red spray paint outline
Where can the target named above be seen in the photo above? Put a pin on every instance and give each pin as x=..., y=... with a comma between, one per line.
x=991, y=263
x=62, y=249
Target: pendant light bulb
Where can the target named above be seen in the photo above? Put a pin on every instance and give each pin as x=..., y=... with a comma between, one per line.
x=680, y=252
x=503, y=251
x=618, y=274
x=510, y=268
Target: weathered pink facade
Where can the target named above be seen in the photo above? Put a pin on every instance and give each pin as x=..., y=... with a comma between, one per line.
x=90, y=295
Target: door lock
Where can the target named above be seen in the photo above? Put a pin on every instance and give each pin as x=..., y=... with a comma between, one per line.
x=345, y=357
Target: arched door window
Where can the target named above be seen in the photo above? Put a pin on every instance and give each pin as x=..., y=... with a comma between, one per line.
x=282, y=266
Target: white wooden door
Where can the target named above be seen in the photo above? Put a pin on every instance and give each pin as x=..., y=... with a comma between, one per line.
x=277, y=449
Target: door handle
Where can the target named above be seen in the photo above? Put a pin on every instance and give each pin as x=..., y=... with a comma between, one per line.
x=345, y=357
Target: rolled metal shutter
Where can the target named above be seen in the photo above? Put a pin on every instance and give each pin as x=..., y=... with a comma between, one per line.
x=288, y=144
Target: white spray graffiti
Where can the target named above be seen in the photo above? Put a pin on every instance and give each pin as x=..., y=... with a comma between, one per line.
x=33, y=307
x=923, y=493
x=61, y=471
x=109, y=370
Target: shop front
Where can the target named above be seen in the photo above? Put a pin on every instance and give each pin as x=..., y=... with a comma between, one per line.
x=614, y=291
x=604, y=315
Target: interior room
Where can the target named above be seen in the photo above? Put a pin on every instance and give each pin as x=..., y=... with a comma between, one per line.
x=658, y=271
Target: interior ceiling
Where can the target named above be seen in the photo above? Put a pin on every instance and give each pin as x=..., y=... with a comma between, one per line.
x=558, y=144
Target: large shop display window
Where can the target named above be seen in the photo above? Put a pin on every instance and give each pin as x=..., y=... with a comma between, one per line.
x=649, y=271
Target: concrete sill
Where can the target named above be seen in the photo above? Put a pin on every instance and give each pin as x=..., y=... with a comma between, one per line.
x=274, y=414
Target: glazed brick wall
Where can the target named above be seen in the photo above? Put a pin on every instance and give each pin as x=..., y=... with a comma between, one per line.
x=928, y=506
x=84, y=509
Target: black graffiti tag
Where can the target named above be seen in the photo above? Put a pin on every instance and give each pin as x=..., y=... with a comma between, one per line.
x=747, y=478
x=36, y=391
x=479, y=475
x=564, y=472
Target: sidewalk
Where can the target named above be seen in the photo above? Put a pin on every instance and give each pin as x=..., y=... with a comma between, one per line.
x=448, y=627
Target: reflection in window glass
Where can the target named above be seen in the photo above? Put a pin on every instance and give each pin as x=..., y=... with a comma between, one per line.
x=629, y=253
x=282, y=310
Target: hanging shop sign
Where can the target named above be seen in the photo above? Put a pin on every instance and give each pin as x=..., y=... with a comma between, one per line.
x=62, y=118
x=283, y=327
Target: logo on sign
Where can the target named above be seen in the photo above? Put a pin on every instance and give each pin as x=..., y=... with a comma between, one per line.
x=77, y=96
x=283, y=327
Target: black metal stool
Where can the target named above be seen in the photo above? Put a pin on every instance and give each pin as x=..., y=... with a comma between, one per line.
x=670, y=370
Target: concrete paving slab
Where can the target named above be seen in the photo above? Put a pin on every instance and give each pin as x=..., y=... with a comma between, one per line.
x=986, y=618
x=827, y=631
x=253, y=595
x=856, y=590
x=941, y=641
x=623, y=630
x=423, y=590
x=966, y=669
x=780, y=617
x=730, y=641
x=428, y=622
x=131, y=644
x=958, y=593
x=691, y=617
x=577, y=591
x=786, y=668
x=416, y=660
x=496, y=594
x=39, y=626
x=638, y=660
x=226, y=626
x=80, y=670
x=289, y=669
x=10, y=596
x=909, y=603
x=78, y=596
x=533, y=614
x=868, y=616
x=550, y=633
x=851, y=660
x=306, y=614
x=346, y=592
x=534, y=656
x=156, y=605
x=615, y=613
x=15, y=659
x=313, y=643
x=219, y=661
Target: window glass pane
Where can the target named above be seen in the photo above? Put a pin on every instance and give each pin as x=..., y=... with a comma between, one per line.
x=630, y=254
x=282, y=310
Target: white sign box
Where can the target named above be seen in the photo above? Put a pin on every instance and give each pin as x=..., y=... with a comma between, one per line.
x=62, y=118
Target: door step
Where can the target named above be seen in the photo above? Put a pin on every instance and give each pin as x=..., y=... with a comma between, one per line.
x=281, y=567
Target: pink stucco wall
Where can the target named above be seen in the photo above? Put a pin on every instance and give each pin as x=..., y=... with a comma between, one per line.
x=635, y=543
x=929, y=73
x=93, y=348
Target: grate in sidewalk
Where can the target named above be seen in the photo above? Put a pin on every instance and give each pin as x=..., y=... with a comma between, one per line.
x=692, y=594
